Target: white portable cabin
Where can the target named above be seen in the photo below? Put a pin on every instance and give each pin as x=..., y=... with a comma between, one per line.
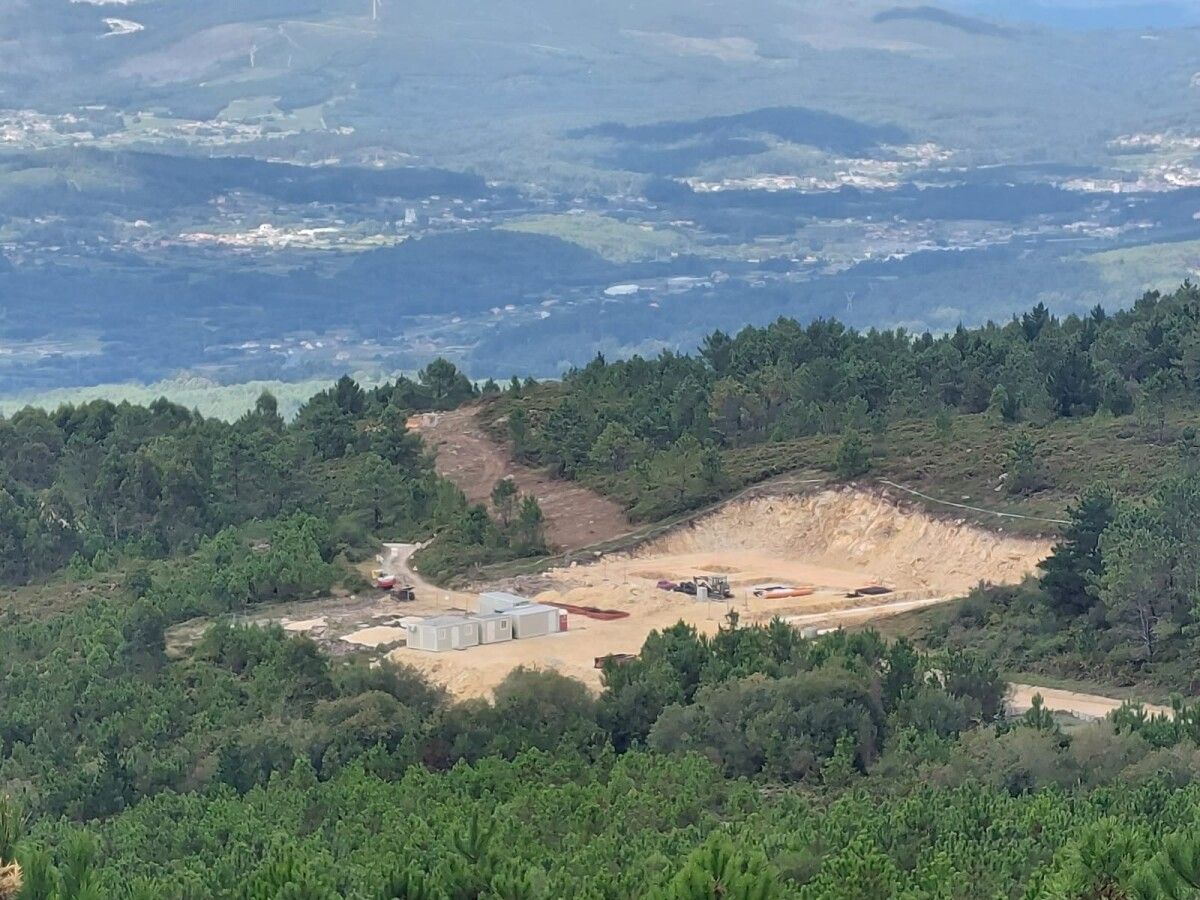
x=500, y=602
x=536, y=620
x=442, y=633
x=495, y=628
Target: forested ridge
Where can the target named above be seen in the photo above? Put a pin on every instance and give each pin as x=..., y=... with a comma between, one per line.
x=676, y=431
x=751, y=764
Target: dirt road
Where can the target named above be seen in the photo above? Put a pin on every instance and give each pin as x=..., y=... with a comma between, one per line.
x=1082, y=706
x=858, y=614
x=396, y=559
x=467, y=455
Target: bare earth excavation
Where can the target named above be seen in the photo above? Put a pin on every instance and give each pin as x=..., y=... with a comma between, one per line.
x=818, y=558
x=850, y=554
x=575, y=516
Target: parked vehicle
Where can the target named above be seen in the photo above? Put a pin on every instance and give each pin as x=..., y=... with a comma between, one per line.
x=716, y=587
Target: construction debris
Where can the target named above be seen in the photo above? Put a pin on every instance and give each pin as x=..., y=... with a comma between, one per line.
x=871, y=590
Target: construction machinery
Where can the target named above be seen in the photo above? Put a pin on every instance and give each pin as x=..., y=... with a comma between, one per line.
x=715, y=587
x=386, y=581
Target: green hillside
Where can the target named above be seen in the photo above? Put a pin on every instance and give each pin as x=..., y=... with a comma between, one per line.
x=753, y=762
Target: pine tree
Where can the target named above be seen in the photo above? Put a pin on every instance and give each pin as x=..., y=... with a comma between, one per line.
x=1004, y=405
x=1069, y=572
x=530, y=527
x=718, y=871
x=504, y=500
x=1026, y=472
x=408, y=884
x=853, y=458
x=1173, y=873
x=1037, y=716
x=518, y=433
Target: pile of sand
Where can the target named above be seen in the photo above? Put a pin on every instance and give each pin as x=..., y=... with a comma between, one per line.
x=377, y=636
x=306, y=625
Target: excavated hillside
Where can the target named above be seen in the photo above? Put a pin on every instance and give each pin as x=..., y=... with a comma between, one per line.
x=468, y=456
x=832, y=541
x=859, y=531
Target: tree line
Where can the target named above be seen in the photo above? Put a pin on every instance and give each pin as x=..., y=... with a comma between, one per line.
x=1115, y=601
x=753, y=764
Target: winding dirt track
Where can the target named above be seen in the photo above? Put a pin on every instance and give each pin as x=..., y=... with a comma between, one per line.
x=575, y=516
x=1082, y=706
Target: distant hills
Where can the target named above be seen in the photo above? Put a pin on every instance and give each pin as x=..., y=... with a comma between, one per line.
x=290, y=189
x=939, y=16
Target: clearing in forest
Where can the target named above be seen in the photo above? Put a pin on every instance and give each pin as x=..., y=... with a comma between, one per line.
x=832, y=540
x=575, y=516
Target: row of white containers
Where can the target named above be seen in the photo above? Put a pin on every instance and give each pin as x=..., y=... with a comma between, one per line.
x=502, y=617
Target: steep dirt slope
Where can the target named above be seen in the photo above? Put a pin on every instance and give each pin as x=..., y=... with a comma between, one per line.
x=575, y=516
x=853, y=530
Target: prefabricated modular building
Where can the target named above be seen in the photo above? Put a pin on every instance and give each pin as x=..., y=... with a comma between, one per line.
x=443, y=633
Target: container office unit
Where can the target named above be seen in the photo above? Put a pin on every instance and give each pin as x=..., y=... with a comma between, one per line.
x=442, y=633
x=495, y=628
x=500, y=602
x=536, y=620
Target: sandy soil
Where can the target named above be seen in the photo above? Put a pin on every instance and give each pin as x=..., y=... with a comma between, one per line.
x=833, y=540
x=377, y=636
x=854, y=531
x=1082, y=706
x=575, y=516
x=339, y=625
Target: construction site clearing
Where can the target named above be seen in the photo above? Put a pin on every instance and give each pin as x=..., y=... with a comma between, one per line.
x=819, y=560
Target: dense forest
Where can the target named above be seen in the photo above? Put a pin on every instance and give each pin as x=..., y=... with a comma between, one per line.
x=751, y=764
x=91, y=485
x=1116, y=602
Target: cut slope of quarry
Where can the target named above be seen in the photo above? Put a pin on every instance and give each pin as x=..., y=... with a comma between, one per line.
x=858, y=531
